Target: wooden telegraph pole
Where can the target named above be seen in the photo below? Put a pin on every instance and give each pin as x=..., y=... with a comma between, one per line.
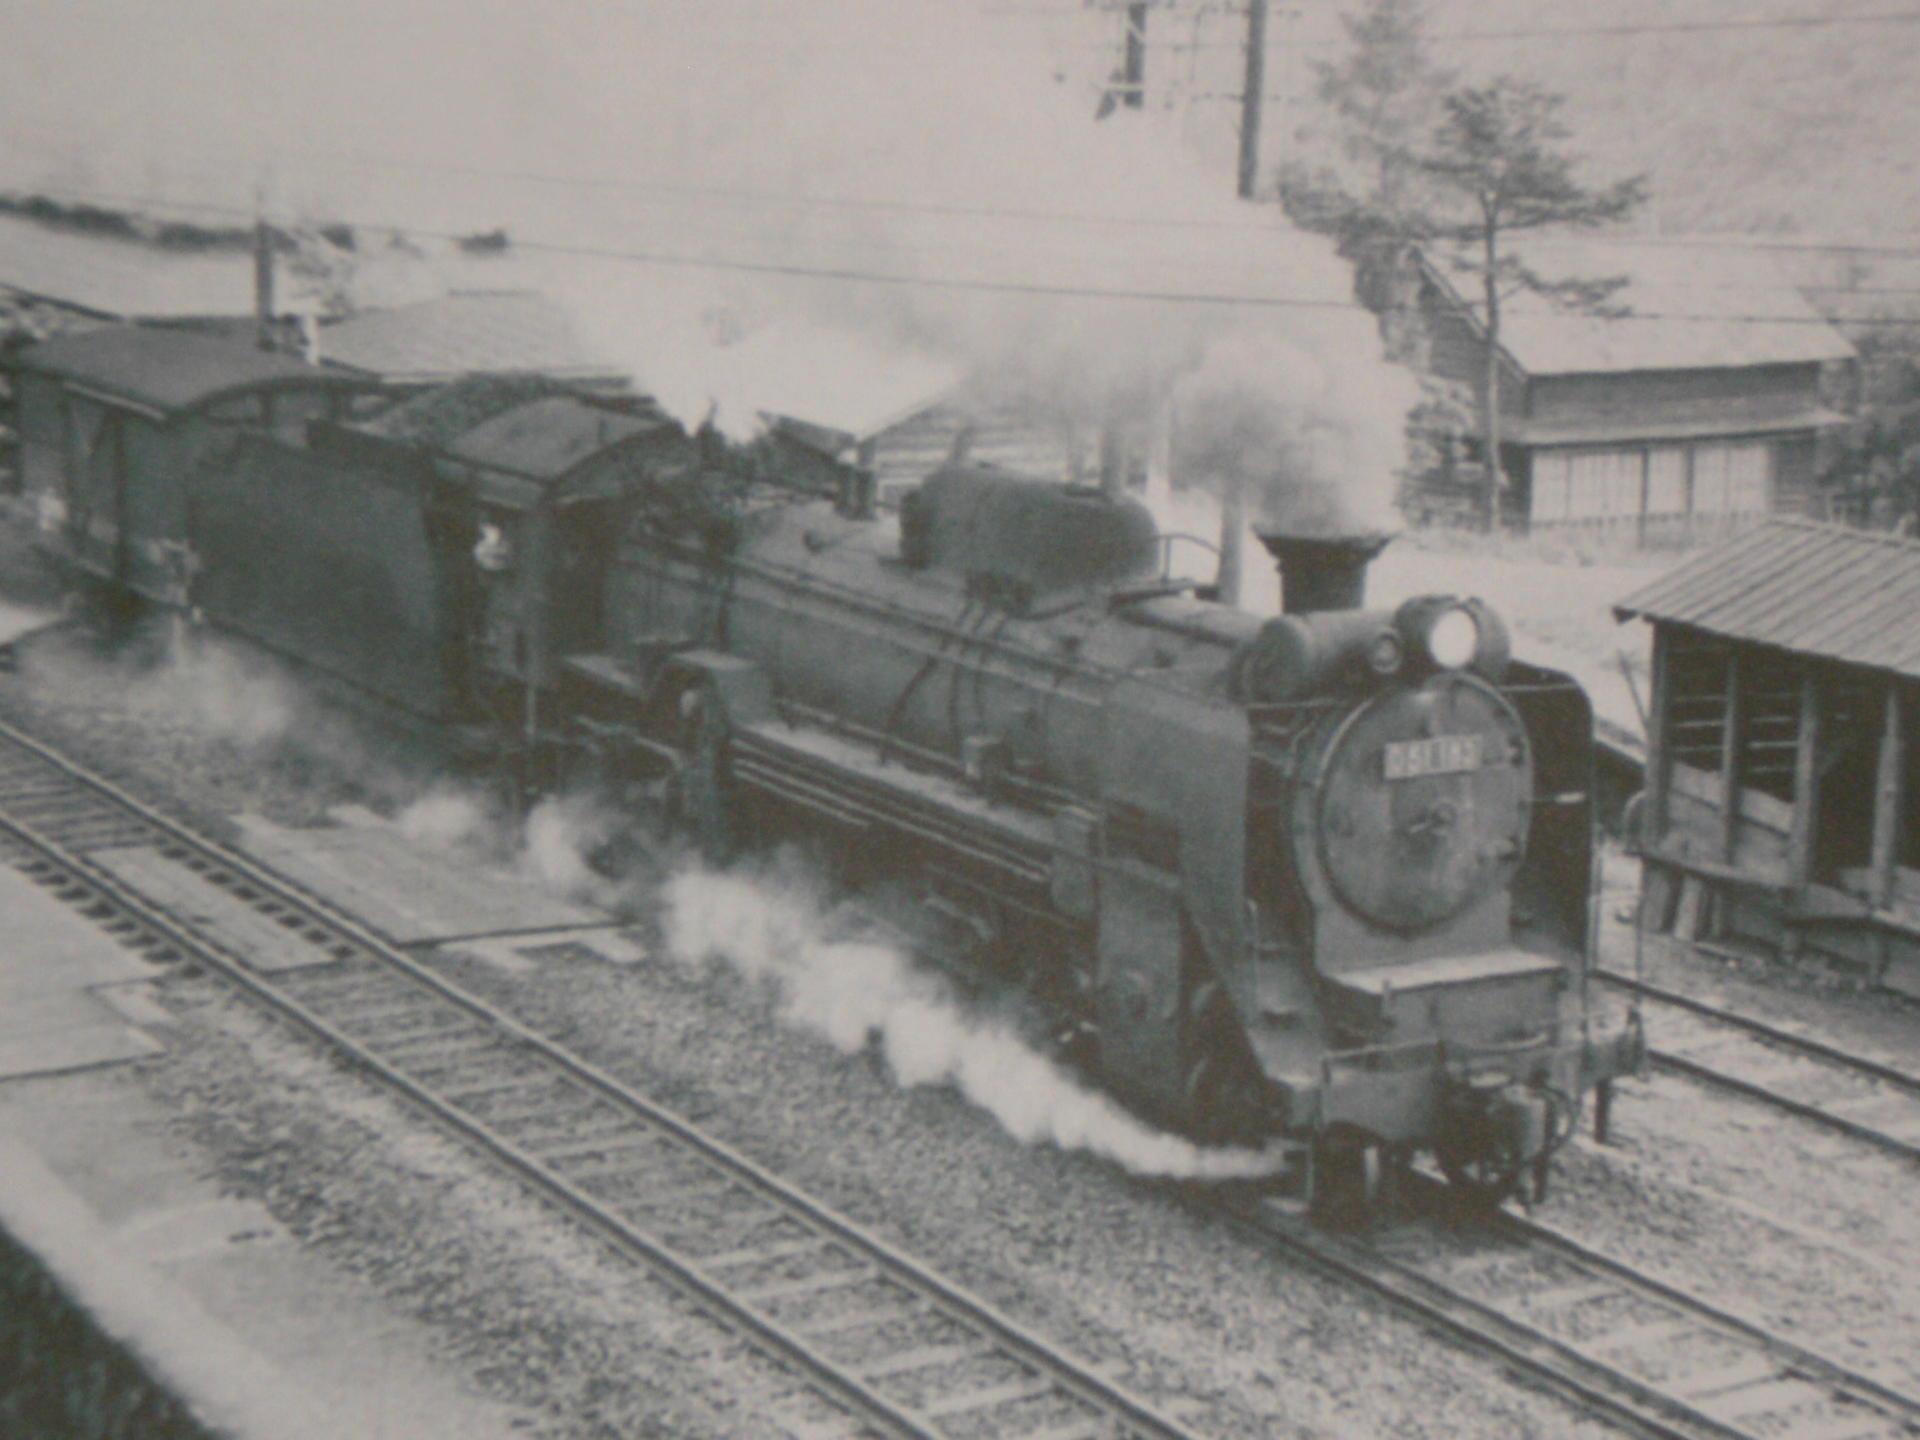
x=1251, y=97
x=1133, y=71
x=1233, y=501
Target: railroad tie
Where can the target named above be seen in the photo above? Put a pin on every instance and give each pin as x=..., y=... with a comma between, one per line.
x=812, y=1284
x=1772, y=1397
x=1031, y=1388
x=1742, y=1372
x=1859, y=1425
x=909, y=1308
x=928, y=1357
x=763, y=1254
x=1091, y=1427
x=1566, y=1297
x=1632, y=1336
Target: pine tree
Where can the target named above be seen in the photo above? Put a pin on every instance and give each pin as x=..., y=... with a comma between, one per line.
x=1499, y=151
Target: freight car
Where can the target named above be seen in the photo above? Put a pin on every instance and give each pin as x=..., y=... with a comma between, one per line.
x=1317, y=881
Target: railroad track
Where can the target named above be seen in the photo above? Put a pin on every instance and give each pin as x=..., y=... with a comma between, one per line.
x=1617, y=1344
x=1877, y=1103
x=895, y=1350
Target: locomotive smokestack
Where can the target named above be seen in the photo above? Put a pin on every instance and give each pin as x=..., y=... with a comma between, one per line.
x=1322, y=572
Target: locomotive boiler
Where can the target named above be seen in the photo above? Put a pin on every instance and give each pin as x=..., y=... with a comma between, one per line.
x=1315, y=880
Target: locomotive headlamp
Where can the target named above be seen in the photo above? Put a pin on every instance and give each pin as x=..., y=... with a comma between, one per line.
x=1445, y=632
x=1453, y=639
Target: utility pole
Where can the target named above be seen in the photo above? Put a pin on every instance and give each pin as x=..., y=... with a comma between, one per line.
x=1128, y=88
x=263, y=297
x=1233, y=500
x=1251, y=96
x=1128, y=85
x=265, y=302
x=1133, y=73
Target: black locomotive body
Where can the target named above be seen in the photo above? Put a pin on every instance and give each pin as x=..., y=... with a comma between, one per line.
x=1317, y=879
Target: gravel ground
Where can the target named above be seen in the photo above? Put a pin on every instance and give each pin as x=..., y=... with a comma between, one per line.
x=1113, y=1266
x=1781, y=1219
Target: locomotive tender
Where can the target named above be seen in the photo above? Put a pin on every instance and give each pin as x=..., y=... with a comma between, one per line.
x=1317, y=880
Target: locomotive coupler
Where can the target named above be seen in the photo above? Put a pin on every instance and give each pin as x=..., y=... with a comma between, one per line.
x=1497, y=1133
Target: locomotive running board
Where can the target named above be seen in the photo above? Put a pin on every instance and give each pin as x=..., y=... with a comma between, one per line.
x=846, y=782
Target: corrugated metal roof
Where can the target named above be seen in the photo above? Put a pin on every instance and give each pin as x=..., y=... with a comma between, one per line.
x=127, y=279
x=464, y=334
x=1687, y=306
x=168, y=370
x=1826, y=590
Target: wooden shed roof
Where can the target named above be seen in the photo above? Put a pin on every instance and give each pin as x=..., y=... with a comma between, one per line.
x=1815, y=589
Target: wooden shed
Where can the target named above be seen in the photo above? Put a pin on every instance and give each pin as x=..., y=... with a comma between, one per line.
x=1784, y=745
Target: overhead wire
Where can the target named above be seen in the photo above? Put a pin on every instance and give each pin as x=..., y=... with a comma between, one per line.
x=951, y=283
x=779, y=268
x=997, y=212
x=1549, y=32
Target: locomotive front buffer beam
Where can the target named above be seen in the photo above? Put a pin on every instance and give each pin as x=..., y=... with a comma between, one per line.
x=1494, y=1116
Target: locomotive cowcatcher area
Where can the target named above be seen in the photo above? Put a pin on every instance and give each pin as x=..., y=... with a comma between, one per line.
x=1282, y=885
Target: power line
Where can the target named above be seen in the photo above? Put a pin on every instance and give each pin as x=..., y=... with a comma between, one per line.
x=1674, y=27
x=950, y=283
x=775, y=197
x=1684, y=27
x=797, y=199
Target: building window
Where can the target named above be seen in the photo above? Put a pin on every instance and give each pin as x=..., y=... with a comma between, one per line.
x=1716, y=479
x=1732, y=479
x=1667, y=480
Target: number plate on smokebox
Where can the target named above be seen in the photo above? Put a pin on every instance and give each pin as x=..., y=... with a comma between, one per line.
x=1442, y=755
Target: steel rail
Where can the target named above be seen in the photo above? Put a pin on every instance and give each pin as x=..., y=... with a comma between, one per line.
x=1573, y=1373
x=1821, y=1113
x=1562, y=1369
x=1538, y=1358
x=1890, y=1074
x=1900, y=1407
x=1027, y=1351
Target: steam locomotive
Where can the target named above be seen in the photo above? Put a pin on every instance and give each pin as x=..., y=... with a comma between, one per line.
x=1316, y=880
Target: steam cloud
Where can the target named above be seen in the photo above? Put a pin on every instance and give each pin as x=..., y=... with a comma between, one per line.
x=918, y=140
x=856, y=992
x=770, y=925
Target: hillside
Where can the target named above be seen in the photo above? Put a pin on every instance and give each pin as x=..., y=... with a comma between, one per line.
x=1811, y=130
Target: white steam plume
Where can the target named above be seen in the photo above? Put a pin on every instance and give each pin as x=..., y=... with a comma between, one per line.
x=447, y=818
x=858, y=992
x=930, y=142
